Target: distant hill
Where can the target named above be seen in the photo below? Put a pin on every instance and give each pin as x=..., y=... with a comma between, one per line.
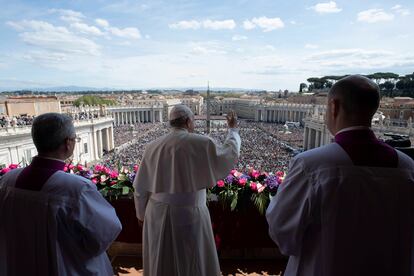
x=74, y=88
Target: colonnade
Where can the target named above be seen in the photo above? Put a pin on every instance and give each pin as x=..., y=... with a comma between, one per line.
x=103, y=140
x=131, y=115
x=283, y=112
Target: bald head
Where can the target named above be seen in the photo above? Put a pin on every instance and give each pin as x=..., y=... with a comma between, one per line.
x=180, y=115
x=358, y=96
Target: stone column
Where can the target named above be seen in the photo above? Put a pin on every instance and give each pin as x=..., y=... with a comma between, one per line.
x=309, y=146
x=108, y=139
x=100, y=143
x=95, y=145
x=305, y=138
x=318, y=139
x=111, y=138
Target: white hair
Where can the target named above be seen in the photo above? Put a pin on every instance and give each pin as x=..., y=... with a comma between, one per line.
x=179, y=115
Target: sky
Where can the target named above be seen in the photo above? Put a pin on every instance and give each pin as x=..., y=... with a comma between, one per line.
x=251, y=44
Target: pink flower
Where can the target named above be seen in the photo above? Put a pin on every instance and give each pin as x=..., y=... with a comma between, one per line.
x=95, y=180
x=70, y=166
x=136, y=168
x=232, y=171
x=242, y=181
x=98, y=168
x=255, y=174
x=253, y=186
x=79, y=167
x=113, y=182
x=106, y=170
x=65, y=168
x=13, y=166
x=113, y=174
x=237, y=174
x=260, y=187
x=280, y=174
x=220, y=183
x=5, y=170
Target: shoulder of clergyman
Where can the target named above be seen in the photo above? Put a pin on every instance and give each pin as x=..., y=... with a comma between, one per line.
x=314, y=159
x=70, y=185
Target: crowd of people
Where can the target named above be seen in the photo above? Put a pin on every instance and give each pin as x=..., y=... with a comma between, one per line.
x=140, y=136
x=126, y=133
x=266, y=147
x=16, y=121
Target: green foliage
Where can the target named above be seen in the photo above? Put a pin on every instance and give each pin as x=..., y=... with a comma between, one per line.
x=261, y=201
x=390, y=84
x=92, y=100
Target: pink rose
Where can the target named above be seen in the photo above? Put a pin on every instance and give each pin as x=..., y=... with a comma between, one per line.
x=220, y=183
x=255, y=174
x=95, y=180
x=113, y=174
x=98, y=168
x=70, y=166
x=242, y=181
x=260, y=187
x=5, y=170
x=237, y=174
x=136, y=168
x=280, y=174
x=79, y=167
x=253, y=186
x=13, y=166
x=232, y=171
x=65, y=168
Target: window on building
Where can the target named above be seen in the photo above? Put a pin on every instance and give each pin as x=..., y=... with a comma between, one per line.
x=85, y=147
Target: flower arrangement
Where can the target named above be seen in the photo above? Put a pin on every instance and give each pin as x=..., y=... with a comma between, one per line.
x=256, y=186
x=5, y=169
x=234, y=190
x=111, y=183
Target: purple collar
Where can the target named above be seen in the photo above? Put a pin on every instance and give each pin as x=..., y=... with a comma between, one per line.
x=365, y=149
x=34, y=176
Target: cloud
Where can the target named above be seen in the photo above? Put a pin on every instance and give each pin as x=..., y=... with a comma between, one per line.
x=238, y=37
x=269, y=48
x=358, y=60
x=185, y=25
x=102, y=22
x=129, y=32
x=248, y=25
x=68, y=15
x=327, y=7
x=54, y=38
x=311, y=46
x=219, y=25
x=86, y=29
x=205, y=48
x=265, y=23
x=228, y=24
x=400, y=10
x=293, y=22
x=374, y=15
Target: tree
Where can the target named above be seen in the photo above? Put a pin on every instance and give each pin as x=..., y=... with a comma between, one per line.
x=302, y=86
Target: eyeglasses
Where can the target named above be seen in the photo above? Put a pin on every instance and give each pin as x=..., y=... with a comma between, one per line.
x=77, y=139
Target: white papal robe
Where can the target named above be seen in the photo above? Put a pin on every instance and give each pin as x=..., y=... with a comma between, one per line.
x=63, y=229
x=335, y=219
x=170, y=197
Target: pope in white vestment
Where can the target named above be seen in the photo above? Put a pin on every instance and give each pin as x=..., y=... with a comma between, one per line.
x=170, y=197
